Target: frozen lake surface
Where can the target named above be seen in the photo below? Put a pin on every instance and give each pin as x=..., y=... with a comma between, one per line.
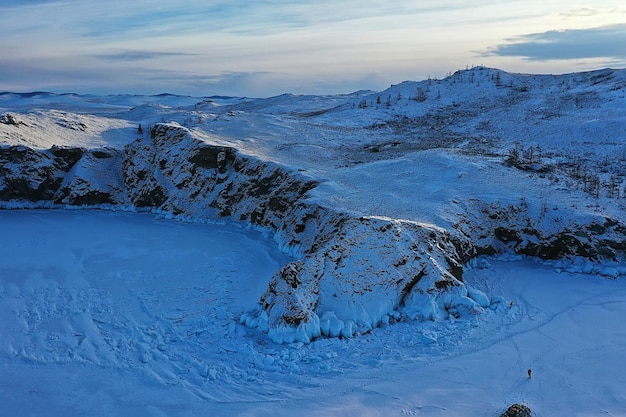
x=110, y=313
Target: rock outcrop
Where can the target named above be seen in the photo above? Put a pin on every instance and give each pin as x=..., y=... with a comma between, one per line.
x=32, y=175
x=517, y=410
x=362, y=272
x=548, y=235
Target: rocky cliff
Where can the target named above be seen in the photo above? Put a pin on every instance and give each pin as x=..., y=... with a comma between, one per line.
x=351, y=273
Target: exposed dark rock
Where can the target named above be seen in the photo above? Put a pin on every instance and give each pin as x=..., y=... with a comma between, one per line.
x=213, y=157
x=28, y=174
x=507, y=235
x=561, y=245
x=497, y=229
x=152, y=197
x=69, y=124
x=103, y=153
x=517, y=410
x=69, y=155
x=11, y=119
x=409, y=287
x=92, y=198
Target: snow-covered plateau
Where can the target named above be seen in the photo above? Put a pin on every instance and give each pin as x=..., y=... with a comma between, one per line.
x=405, y=252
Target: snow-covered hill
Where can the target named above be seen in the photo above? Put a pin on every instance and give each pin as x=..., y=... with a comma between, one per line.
x=382, y=195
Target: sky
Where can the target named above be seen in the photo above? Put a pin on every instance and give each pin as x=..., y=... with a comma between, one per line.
x=268, y=47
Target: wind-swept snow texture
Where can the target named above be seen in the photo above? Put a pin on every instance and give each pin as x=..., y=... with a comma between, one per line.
x=381, y=196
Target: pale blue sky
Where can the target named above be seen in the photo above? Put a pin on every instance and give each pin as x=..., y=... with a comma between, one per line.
x=268, y=47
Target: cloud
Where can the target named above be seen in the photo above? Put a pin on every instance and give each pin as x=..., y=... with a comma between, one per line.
x=139, y=55
x=582, y=12
x=600, y=42
x=25, y=3
x=260, y=48
x=119, y=19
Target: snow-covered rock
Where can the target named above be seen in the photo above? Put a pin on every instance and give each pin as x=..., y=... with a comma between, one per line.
x=495, y=228
x=358, y=274
x=95, y=179
x=33, y=175
x=517, y=410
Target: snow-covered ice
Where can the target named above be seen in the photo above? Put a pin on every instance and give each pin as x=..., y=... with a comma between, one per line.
x=109, y=313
